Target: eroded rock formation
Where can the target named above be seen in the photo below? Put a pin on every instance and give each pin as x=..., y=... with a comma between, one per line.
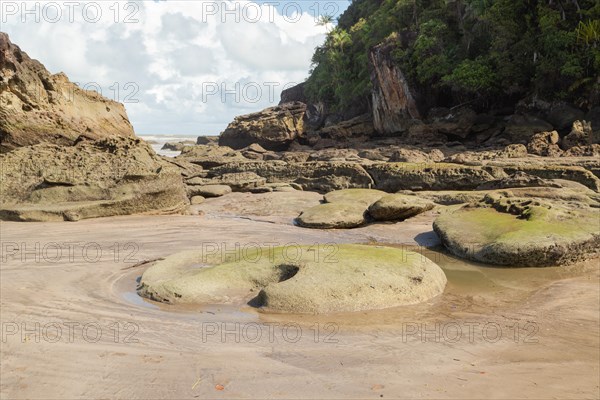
x=342, y=278
x=393, y=102
x=37, y=107
x=112, y=176
x=274, y=128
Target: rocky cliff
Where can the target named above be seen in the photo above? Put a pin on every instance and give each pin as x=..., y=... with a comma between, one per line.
x=36, y=106
x=69, y=154
x=393, y=104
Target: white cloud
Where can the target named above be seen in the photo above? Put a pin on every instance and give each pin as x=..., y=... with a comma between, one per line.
x=176, y=54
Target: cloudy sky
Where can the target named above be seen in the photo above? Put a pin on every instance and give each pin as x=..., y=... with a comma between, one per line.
x=180, y=67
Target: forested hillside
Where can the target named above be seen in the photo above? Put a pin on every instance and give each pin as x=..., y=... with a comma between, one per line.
x=485, y=53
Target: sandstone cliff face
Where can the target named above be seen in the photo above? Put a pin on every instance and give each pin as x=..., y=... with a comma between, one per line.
x=36, y=106
x=274, y=128
x=393, y=103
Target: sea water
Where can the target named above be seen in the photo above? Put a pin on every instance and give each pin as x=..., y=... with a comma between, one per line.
x=158, y=141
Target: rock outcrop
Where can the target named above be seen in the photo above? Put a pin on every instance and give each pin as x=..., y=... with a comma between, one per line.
x=521, y=127
x=518, y=180
x=293, y=94
x=106, y=177
x=315, y=176
x=274, y=128
x=581, y=135
x=177, y=146
x=344, y=131
x=545, y=144
x=392, y=177
x=208, y=156
x=330, y=279
x=393, y=102
x=37, y=107
x=457, y=123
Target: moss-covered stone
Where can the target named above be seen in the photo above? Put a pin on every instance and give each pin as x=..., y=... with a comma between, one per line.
x=298, y=279
x=506, y=230
x=333, y=216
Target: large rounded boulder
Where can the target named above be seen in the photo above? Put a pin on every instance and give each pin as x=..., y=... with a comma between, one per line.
x=520, y=232
x=297, y=279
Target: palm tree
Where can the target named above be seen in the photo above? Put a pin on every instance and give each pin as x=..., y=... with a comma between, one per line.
x=340, y=38
x=588, y=32
x=325, y=20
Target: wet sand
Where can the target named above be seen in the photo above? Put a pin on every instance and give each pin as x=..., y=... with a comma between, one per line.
x=73, y=327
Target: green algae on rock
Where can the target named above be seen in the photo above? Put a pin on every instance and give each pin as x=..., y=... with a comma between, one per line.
x=334, y=216
x=351, y=208
x=297, y=279
x=506, y=230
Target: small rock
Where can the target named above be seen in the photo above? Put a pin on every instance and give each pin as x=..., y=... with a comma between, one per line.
x=214, y=190
x=261, y=189
x=545, y=144
x=177, y=146
x=593, y=150
x=373, y=155
x=197, y=200
x=241, y=181
x=295, y=157
x=399, y=207
x=255, y=148
x=208, y=140
x=436, y=155
x=514, y=151
x=410, y=156
x=333, y=216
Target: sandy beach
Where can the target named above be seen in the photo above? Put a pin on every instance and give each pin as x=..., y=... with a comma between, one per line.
x=359, y=199
x=74, y=327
